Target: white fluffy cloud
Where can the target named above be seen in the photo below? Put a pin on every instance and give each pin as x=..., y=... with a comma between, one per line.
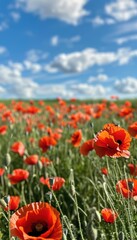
x=126, y=85
x=99, y=77
x=77, y=62
x=68, y=11
x=88, y=90
x=34, y=67
x=14, y=85
x=122, y=10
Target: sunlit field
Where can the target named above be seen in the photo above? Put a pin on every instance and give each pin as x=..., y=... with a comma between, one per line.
x=68, y=170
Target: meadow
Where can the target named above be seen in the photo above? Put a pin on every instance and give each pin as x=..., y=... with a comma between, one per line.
x=70, y=166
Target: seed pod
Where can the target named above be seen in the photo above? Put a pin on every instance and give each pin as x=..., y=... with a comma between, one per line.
x=8, y=159
x=39, y=164
x=121, y=236
x=94, y=233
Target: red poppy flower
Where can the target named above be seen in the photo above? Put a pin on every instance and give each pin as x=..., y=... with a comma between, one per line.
x=127, y=187
x=45, y=143
x=109, y=215
x=76, y=138
x=54, y=183
x=2, y=170
x=13, y=203
x=86, y=147
x=104, y=171
x=18, y=147
x=112, y=141
x=105, y=144
x=32, y=110
x=120, y=135
x=3, y=129
x=132, y=169
x=132, y=129
x=18, y=175
x=32, y=159
x=36, y=221
x=45, y=161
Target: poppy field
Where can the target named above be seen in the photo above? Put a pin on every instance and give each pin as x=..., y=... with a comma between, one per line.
x=68, y=170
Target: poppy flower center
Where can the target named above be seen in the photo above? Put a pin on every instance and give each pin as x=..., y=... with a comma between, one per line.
x=119, y=141
x=38, y=229
x=130, y=185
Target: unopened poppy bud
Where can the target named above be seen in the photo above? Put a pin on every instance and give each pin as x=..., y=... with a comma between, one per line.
x=91, y=124
x=93, y=233
x=73, y=189
x=65, y=232
x=49, y=194
x=3, y=203
x=57, y=160
x=40, y=166
x=71, y=177
x=8, y=159
x=121, y=236
x=97, y=216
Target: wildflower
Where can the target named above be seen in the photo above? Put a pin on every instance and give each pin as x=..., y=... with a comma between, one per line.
x=37, y=220
x=45, y=143
x=31, y=160
x=104, y=171
x=3, y=129
x=112, y=141
x=13, y=203
x=57, y=182
x=127, y=187
x=2, y=170
x=45, y=161
x=132, y=129
x=18, y=147
x=76, y=138
x=86, y=147
x=132, y=169
x=108, y=215
x=18, y=175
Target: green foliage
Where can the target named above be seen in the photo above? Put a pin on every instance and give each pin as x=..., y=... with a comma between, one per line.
x=86, y=190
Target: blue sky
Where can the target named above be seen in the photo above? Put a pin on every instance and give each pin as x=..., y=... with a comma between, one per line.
x=60, y=48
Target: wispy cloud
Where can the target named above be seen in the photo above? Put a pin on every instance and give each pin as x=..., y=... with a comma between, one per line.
x=122, y=40
x=98, y=21
x=35, y=55
x=126, y=28
x=3, y=50
x=3, y=26
x=56, y=40
x=15, y=16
